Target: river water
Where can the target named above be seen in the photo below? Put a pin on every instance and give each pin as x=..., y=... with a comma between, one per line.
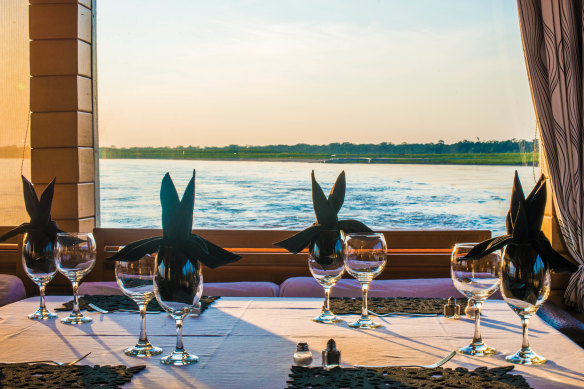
x=277, y=195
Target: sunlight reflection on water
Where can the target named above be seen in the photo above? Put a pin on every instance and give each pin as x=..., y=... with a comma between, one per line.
x=276, y=195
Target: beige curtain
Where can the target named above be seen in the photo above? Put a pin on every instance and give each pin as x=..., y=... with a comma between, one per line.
x=14, y=109
x=552, y=36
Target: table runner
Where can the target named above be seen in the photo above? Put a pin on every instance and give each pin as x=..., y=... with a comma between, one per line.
x=47, y=376
x=113, y=303
x=379, y=305
x=395, y=377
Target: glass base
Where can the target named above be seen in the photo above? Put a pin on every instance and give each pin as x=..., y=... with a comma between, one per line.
x=76, y=319
x=327, y=317
x=178, y=358
x=526, y=357
x=364, y=322
x=477, y=350
x=42, y=314
x=143, y=350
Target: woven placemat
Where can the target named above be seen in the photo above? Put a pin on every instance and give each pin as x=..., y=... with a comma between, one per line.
x=395, y=377
x=45, y=376
x=117, y=302
x=379, y=305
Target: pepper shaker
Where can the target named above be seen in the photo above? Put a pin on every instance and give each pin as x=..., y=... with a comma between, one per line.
x=331, y=357
x=452, y=310
x=303, y=355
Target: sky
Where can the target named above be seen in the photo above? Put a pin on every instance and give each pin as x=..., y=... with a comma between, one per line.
x=258, y=72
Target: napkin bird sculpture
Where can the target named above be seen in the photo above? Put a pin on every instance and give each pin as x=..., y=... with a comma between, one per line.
x=41, y=227
x=177, y=225
x=327, y=222
x=523, y=223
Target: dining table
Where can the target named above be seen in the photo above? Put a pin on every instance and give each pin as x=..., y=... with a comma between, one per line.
x=249, y=342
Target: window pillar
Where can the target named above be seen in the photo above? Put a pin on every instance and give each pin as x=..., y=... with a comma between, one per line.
x=63, y=125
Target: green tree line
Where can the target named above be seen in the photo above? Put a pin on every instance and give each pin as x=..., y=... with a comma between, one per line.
x=301, y=150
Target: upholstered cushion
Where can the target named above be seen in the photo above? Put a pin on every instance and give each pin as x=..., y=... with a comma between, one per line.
x=232, y=289
x=424, y=287
x=11, y=289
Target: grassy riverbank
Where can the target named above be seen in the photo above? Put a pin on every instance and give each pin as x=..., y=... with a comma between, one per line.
x=434, y=159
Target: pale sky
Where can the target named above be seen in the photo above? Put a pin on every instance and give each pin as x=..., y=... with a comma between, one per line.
x=257, y=72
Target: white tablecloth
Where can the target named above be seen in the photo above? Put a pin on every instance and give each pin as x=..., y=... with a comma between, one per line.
x=249, y=342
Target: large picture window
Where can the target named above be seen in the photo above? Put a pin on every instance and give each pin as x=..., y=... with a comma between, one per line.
x=189, y=76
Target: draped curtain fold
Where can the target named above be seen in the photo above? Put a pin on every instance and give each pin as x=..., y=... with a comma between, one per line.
x=552, y=35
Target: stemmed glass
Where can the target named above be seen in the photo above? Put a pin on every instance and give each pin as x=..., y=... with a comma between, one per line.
x=136, y=280
x=178, y=286
x=327, y=269
x=365, y=259
x=75, y=257
x=525, y=285
x=39, y=264
x=476, y=279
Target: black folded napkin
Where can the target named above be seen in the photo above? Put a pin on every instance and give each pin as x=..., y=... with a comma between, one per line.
x=385, y=305
x=177, y=225
x=41, y=228
x=322, y=235
x=396, y=377
x=46, y=376
x=112, y=303
x=523, y=223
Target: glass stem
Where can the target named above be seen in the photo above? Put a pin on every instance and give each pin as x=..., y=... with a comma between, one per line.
x=143, y=337
x=327, y=294
x=477, y=338
x=364, y=292
x=42, y=292
x=179, y=342
x=75, y=298
x=525, y=324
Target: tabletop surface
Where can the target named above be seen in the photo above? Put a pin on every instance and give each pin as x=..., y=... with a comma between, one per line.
x=249, y=342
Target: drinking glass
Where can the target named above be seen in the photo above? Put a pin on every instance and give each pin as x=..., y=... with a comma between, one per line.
x=178, y=286
x=365, y=258
x=476, y=279
x=75, y=257
x=327, y=268
x=136, y=280
x=525, y=285
x=39, y=264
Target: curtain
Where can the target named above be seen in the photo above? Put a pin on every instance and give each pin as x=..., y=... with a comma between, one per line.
x=14, y=109
x=551, y=31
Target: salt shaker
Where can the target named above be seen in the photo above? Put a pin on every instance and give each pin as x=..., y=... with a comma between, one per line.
x=331, y=357
x=452, y=310
x=470, y=309
x=302, y=356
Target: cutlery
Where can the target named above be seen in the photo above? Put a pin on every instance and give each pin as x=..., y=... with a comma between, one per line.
x=60, y=363
x=432, y=366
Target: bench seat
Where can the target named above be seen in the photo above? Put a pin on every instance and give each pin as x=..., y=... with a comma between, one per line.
x=228, y=289
x=11, y=289
x=424, y=287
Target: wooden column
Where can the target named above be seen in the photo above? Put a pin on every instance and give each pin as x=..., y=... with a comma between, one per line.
x=63, y=130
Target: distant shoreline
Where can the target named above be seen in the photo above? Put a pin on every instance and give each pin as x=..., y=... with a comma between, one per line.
x=470, y=159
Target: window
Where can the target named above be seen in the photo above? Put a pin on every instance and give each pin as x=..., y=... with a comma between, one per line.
x=188, y=75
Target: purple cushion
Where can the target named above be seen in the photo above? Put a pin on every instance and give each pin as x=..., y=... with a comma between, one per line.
x=231, y=289
x=424, y=287
x=11, y=289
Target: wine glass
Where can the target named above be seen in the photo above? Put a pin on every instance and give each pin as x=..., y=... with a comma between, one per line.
x=365, y=258
x=178, y=286
x=136, y=280
x=39, y=264
x=326, y=263
x=75, y=257
x=476, y=279
x=525, y=285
